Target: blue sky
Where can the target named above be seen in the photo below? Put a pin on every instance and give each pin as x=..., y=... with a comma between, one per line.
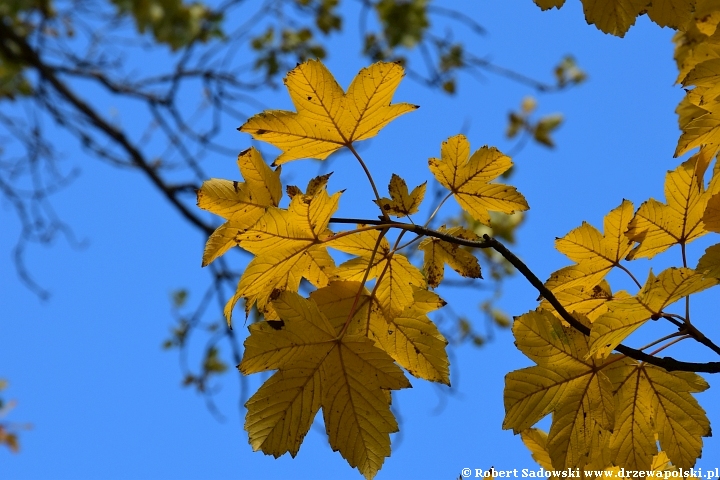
x=105, y=401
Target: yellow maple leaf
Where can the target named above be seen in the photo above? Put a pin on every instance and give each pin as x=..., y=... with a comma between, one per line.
x=627, y=315
x=658, y=226
x=711, y=217
x=411, y=339
x=671, y=13
x=709, y=263
x=396, y=286
x=439, y=252
x=595, y=253
x=327, y=118
x=468, y=177
x=536, y=441
x=240, y=203
x=563, y=382
x=313, y=187
x=347, y=377
x=590, y=302
x=548, y=4
x=288, y=245
x=401, y=202
x=613, y=16
x=652, y=401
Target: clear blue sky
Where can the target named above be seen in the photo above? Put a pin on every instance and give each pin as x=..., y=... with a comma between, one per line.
x=105, y=401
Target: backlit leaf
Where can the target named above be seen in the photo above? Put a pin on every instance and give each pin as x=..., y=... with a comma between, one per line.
x=652, y=401
x=536, y=441
x=288, y=245
x=709, y=263
x=658, y=226
x=327, y=118
x=468, y=177
x=398, y=276
x=240, y=203
x=564, y=382
x=595, y=253
x=347, y=377
x=625, y=316
x=401, y=202
x=613, y=16
x=439, y=252
x=411, y=339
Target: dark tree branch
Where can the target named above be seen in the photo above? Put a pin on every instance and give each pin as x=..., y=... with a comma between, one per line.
x=668, y=363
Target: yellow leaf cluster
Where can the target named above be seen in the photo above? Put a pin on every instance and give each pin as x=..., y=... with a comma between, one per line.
x=617, y=16
x=605, y=413
x=343, y=347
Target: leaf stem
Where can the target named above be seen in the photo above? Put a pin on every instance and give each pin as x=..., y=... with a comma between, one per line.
x=362, y=283
x=624, y=269
x=369, y=176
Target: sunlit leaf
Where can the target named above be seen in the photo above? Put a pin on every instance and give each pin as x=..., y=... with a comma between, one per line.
x=328, y=118
x=401, y=203
x=439, y=252
x=468, y=177
x=626, y=316
x=347, y=377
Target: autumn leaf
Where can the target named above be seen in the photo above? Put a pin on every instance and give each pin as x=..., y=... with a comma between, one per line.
x=401, y=203
x=468, y=177
x=240, y=203
x=288, y=245
x=548, y=4
x=658, y=226
x=709, y=263
x=595, y=253
x=398, y=277
x=347, y=377
x=627, y=315
x=313, y=187
x=563, y=382
x=711, y=217
x=590, y=302
x=328, y=118
x=411, y=339
x=440, y=252
x=652, y=401
x=613, y=16
x=536, y=441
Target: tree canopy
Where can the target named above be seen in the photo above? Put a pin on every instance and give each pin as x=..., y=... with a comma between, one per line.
x=341, y=339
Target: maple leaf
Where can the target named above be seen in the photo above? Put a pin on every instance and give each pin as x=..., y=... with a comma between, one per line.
x=711, y=217
x=548, y=4
x=590, y=302
x=401, y=202
x=627, y=315
x=347, y=377
x=595, y=253
x=241, y=204
x=411, y=339
x=396, y=286
x=468, y=177
x=288, y=245
x=613, y=16
x=536, y=441
x=313, y=187
x=709, y=263
x=439, y=252
x=658, y=226
x=563, y=382
x=327, y=118
x=653, y=401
